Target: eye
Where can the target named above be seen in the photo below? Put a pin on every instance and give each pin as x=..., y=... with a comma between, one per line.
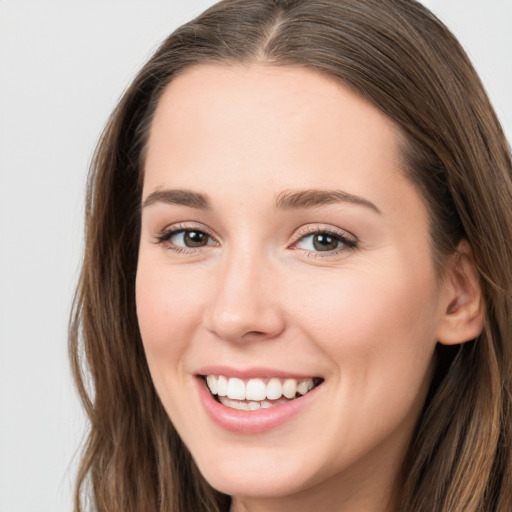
x=326, y=241
x=189, y=238
x=179, y=239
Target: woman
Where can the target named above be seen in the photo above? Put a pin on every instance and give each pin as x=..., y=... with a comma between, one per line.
x=296, y=292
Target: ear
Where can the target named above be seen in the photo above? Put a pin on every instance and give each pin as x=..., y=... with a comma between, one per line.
x=463, y=316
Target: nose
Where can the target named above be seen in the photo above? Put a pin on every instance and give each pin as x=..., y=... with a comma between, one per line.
x=243, y=305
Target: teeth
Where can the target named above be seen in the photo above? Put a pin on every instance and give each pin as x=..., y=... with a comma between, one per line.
x=274, y=389
x=249, y=406
x=222, y=386
x=236, y=389
x=255, y=391
x=290, y=388
x=212, y=383
x=305, y=386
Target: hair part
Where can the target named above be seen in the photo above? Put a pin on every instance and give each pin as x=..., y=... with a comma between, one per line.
x=399, y=57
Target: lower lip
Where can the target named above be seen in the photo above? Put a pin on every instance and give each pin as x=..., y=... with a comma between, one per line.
x=252, y=422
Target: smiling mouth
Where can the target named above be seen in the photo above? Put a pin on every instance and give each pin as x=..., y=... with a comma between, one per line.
x=256, y=393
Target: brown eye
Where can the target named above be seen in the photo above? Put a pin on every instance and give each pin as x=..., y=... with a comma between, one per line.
x=185, y=239
x=325, y=242
x=194, y=238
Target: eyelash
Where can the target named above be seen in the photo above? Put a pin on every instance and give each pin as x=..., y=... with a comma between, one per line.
x=347, y=242
x=165, y=236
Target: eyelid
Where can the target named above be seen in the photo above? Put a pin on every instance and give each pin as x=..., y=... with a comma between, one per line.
x=163, y=236
x=311, y=229
x=308, y=229
x=348, y=240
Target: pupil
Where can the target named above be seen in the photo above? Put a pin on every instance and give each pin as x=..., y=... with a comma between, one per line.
x=195, y=239
x=325, y=243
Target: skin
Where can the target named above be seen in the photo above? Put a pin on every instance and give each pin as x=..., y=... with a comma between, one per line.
x=366, y=318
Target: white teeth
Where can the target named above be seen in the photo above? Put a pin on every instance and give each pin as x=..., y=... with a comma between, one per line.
x=255, y=392
x=241, y=406
x=222, y=386
x=305, y=386
x=212, y=383
x=255, y=389
x=236, y=389
x=290, y=388
x=274, y=389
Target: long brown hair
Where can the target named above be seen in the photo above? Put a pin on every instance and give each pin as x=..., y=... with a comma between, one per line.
x=405, y=62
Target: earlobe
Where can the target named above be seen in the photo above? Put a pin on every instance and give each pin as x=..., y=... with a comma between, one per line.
x=464, y=309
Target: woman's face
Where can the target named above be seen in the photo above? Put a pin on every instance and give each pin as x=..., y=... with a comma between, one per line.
x=283, y=248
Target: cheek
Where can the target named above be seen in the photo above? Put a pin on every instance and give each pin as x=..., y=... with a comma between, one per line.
x=377, y=326
x=377, y=330
x=168, y=309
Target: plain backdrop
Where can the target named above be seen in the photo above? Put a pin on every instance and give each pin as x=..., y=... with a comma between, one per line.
x=63, y=66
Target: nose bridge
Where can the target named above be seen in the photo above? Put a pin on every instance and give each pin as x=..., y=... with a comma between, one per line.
x=241, y=305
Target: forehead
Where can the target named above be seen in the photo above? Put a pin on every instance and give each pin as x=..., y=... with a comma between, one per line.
x=261, y=100
x=270, y=128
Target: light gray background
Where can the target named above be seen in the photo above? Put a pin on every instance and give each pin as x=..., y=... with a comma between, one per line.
x=63, y=65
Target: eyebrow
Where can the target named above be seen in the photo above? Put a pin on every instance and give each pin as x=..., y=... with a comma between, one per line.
x=291, y=200
x=287, y=200
x=179, y=197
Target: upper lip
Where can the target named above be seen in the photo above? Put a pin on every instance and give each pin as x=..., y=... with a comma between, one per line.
x=252, y=372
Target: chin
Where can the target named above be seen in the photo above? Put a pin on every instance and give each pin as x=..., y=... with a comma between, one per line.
x=261, y=477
